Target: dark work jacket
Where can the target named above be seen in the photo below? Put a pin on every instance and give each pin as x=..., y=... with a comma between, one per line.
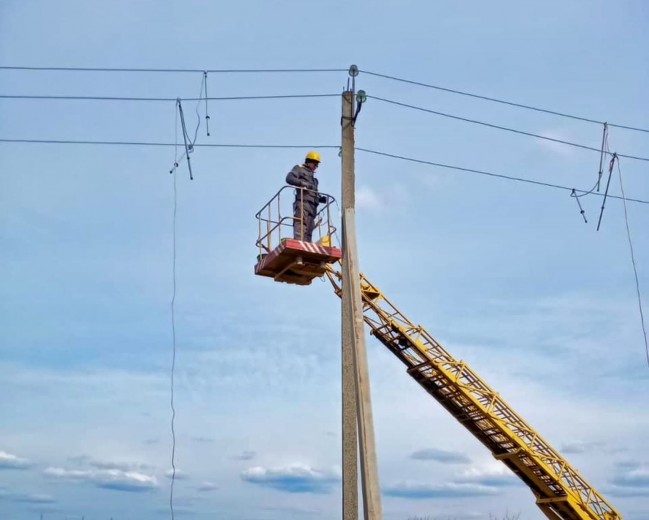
x=302, y=177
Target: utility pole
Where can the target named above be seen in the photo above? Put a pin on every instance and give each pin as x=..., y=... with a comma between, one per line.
x=353, y=349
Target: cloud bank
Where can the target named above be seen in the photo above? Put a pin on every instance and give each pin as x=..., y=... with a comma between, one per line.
x=10, y=461
x=116, y=479
x=297, y=478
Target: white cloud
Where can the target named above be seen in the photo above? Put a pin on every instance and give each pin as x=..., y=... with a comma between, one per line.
x=630, y=479
x=368, y=199
x=447, y=457
x=421, y=490
x=108, y=478
x=390, y=197
x=10, y=461
x=563, y=150
x=84, y=460
x=207, y=486
x=26, y=498
x=493, y=475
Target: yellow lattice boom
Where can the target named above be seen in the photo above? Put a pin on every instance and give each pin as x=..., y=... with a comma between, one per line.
x=561, y=492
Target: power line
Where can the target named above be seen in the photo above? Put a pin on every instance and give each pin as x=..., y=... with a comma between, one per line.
x=635, y=269
x=116, y=98
x=173, y=359
x=209, y=71
x=498, y=127
x=140, y=143
x=298, y=96
x=289, y=71
x=289, y=146
x=502, y=101
x=490, y=174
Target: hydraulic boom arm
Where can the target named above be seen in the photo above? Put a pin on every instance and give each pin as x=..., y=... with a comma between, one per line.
x=561, y=492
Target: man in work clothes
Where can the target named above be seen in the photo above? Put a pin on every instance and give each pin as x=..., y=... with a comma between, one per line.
x=306, y=200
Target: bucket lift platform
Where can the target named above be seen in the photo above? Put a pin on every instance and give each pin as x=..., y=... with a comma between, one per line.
x=285, y=258
x=297, y=262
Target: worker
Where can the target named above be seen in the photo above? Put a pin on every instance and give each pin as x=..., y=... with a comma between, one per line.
x=307, y=198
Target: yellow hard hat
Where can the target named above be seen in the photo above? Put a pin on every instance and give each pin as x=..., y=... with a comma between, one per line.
x=312, y=156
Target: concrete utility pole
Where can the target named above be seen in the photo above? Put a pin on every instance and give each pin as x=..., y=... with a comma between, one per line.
x=355, y=391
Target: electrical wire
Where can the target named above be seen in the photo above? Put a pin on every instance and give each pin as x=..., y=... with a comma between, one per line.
x=307, y=96
x=490, y=174
x=161, y=99
x=502, y=101
x=141, y=143
x=173, y=359
x=635, y=269
x=279, y=71
x=215, y=71
x=498, y=127
x=293, y=146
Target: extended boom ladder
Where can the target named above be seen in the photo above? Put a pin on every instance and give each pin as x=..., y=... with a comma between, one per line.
x=561, y=492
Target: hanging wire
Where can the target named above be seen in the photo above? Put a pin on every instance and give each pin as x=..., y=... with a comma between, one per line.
x=601, y=155
x=173, y=359
x=198, y=116
x=207, y=115
x=633, y=262
x=608, y=183
x=175, y=165
x=581, y=210
x=188, y=145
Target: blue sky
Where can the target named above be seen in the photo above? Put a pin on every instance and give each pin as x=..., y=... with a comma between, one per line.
x=506, y=275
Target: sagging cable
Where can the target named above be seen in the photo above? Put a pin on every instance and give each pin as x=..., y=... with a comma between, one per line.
x=189, y=146
x=608, y=183
x=601, y=156
x=207, y=115
x=581, y=210
x=361, y=97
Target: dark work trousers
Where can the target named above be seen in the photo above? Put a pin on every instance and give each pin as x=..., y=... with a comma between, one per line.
x=304, y=221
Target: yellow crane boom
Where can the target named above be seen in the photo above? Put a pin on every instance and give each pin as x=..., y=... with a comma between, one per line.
x=561, y=492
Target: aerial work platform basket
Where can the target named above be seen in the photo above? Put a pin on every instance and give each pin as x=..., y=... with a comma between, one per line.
x=284, y=255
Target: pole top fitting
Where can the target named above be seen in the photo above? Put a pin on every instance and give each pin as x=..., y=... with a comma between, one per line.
x=353, y=71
